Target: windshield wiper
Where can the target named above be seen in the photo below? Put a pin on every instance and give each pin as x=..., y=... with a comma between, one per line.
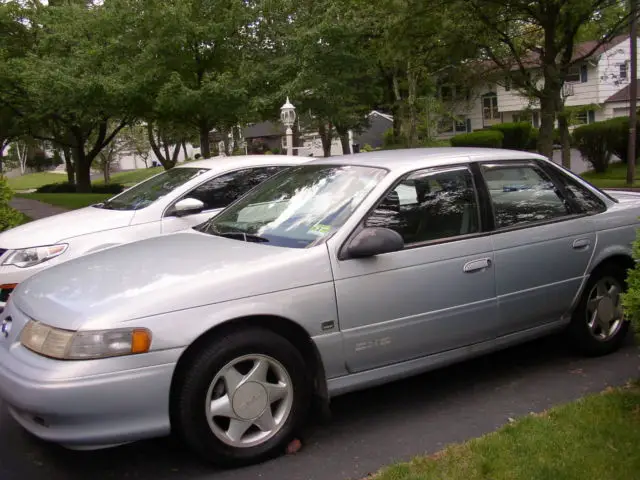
x=247, y=237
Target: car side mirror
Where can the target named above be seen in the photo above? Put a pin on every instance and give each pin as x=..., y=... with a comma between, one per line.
x=372, y=241
x=187, y=206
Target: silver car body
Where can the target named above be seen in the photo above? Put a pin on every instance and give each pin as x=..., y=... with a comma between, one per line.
x=364, y=321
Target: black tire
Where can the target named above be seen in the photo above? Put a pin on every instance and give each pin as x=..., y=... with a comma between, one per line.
x=578, y=331
x=189, y=417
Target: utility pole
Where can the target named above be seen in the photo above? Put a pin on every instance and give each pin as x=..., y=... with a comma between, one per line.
x=633, y=94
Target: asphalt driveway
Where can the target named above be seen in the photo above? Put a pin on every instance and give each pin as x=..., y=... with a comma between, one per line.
x=369, y=429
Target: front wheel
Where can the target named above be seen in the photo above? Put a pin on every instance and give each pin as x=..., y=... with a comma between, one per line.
x=598, y=326
x=243, y=398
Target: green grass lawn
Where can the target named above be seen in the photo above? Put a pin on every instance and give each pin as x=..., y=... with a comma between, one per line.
x=615, y=176
x=35, y=180
x=71, y=201
x=595, y=438
x=132, y=177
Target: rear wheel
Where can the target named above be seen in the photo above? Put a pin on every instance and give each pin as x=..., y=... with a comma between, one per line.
x=598, y=326
x=243, y=398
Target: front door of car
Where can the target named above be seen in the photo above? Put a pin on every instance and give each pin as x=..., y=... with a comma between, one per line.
x=436, y=294
x=216, y=194
x=542, y=245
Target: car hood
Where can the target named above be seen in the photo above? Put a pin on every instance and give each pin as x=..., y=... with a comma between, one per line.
x=164, y=274
x=65, y=225
x=624, y=196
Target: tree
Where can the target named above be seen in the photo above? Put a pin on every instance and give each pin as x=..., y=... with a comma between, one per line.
x=162, y=139
x=533, y=45
x=136, y=139
x=77, y=76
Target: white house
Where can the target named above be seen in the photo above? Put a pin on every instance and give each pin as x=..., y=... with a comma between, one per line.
x=601, y=80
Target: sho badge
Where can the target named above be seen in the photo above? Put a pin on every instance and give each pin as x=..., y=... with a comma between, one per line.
x=6, y=327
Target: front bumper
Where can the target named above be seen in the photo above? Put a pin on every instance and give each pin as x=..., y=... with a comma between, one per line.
x=86, y=404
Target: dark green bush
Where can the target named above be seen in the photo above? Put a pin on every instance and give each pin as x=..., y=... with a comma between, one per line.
x=9, y=217
x=593, y=143
x=515, y=135
x=67, y=187
x=481, y=138
x=631, y=298
x=619, y=136
x=532, y=144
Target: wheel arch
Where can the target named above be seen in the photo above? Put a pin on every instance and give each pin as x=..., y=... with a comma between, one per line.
x=282, y=326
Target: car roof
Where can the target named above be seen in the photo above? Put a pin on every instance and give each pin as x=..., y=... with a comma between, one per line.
x=240, y=161
x=409, y=158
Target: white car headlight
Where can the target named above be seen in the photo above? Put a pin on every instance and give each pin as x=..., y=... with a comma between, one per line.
x=28, y=257
x=84, y=345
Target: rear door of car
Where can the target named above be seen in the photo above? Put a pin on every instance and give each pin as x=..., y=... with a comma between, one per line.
x=438, y=293
x=543, y=242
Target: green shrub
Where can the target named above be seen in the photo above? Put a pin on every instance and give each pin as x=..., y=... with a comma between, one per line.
x=366, y=148
x=619, y=136
x=515, y=135
x=593, y=143
x=66, y=187
x=532, y=144
x=481, y=138
x=9, y=217
x=631, y=298
x=268, y=152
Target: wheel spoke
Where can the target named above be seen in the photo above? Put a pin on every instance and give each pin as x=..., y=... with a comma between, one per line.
x=592, y=304
x=593, y=323
x=276, y=391
x=614, y=293
x=601, y=288
x=232, y=379
x=265, y=422
x=237, y=428
x=259, y=371
x=604, y=325
x=221, y=407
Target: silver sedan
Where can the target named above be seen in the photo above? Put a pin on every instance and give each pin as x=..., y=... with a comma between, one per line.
x=329, y=277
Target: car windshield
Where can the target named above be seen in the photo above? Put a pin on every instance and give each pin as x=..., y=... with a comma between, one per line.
x=147, y=192
x=297, y=208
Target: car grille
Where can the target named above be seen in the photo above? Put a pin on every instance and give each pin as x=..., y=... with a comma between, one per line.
x=2, y=251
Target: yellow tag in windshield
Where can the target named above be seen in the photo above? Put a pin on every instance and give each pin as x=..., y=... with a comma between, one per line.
x=320, y=229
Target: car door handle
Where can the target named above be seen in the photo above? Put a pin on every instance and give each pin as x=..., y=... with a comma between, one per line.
x=476, y=265
x=581, y=243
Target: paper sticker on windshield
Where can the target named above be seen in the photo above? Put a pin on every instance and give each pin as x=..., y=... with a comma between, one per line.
x=320, y=229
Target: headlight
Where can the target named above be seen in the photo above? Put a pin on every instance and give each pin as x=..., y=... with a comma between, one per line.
x=84, y=345
x=28, y=257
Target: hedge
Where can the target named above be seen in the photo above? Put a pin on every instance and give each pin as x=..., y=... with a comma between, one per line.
x=67, y=187
x=594, y=143
x=481, y=138
x=516, y=135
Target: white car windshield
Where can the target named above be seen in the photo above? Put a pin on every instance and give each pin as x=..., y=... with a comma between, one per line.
x=297, y=208
x=144, y=194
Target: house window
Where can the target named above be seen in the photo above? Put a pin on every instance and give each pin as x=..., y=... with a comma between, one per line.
x=460, y=125
x=536, y=120
x=490, y=107
x=583, y=118
x=623, y=71
x=573, y=75
x=446, y=93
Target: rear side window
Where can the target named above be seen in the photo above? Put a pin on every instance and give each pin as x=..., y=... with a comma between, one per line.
x=522, y=194
x=224, y=189
x=586, y=201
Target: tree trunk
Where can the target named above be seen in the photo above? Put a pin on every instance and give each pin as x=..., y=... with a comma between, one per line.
x=412, y=131
x=547, y=119
x=225, y=141
x=563, y=125
x=83, y=170
x=397, y=111
x=343, y=133
x=66, y=152
x=184, y=148
x=1, y=159
x=205, y=146
x=325, y=137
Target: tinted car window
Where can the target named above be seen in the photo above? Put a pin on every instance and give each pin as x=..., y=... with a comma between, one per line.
x=522, y=194
x=221, y=191
x=587, y=201
x=430, y=205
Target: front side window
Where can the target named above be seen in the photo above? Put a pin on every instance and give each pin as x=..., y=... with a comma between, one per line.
x=430, y=205
x=149, y=191
x=299, y=208
x=224, y=189
x=522, y=194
